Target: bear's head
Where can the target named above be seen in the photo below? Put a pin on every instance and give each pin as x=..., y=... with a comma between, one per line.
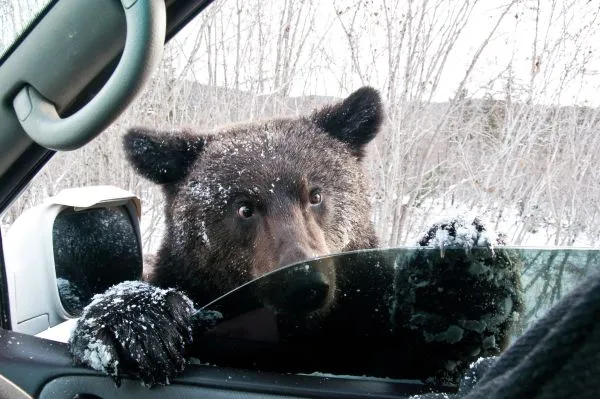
x=249, y=199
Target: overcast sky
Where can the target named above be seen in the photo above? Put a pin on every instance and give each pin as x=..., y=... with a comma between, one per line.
x=572, y=34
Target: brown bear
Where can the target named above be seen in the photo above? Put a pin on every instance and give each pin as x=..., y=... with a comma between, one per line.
x=249, y=199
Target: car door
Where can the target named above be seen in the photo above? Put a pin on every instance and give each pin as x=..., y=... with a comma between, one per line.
x=64, y=63
x=71, y=72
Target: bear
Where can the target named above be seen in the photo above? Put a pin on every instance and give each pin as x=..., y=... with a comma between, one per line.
x=248, y=200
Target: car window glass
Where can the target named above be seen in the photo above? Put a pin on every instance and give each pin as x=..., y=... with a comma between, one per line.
x=269, y=324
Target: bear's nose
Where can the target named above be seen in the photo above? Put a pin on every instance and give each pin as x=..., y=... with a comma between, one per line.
x=293, y=254
x=306, y=293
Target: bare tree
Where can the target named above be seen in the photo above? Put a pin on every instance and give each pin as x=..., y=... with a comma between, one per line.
x=483, y=115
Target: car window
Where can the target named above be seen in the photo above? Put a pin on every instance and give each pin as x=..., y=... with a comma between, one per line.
x=491, y=111
x=268, y=323
x=15, y=17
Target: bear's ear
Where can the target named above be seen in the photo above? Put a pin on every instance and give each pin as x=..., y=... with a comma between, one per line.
x=160, y=156
x=355, y=120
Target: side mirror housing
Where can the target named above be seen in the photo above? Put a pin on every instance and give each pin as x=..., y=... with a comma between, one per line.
x=63, y=251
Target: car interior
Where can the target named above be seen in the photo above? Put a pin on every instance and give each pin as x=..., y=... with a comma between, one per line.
x=69, y=75
x=60, y=89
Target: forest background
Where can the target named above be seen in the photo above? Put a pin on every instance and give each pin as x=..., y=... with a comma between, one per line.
x=492, y=110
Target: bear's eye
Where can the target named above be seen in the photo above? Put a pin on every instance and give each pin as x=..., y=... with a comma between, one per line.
x=315, y=197
x=245, y=211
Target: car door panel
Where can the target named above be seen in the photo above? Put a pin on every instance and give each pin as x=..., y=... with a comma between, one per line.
x=43, y=368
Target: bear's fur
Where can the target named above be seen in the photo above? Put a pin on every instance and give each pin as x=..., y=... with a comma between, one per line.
x=251, y=198
x=271, y=168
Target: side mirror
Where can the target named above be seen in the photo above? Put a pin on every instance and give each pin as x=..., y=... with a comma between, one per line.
x=62, y=252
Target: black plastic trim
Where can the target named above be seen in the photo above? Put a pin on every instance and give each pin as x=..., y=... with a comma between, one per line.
x=302, y=385
x=93, y=387
x=4, y=300
x=18, y=176
x=180, y=13
x=31, y=363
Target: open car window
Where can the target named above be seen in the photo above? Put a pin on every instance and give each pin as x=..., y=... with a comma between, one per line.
x=470, y=150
